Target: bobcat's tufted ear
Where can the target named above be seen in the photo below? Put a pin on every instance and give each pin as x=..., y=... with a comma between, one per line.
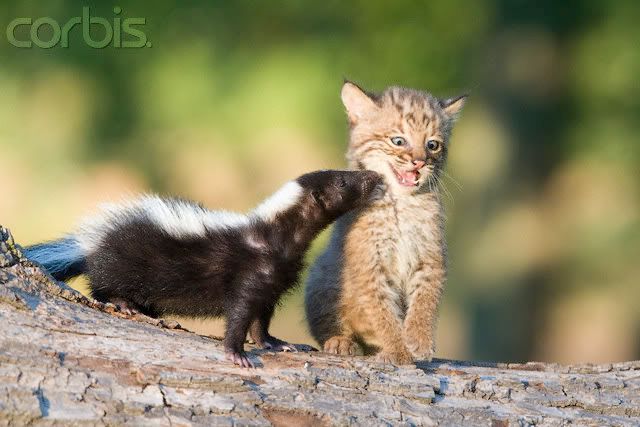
x=357, y=102
x=453, y=106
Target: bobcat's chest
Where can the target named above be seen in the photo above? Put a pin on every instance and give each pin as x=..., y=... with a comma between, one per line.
x=407, y=237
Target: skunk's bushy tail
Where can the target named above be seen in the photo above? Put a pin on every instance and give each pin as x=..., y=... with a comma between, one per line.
x=63, y=258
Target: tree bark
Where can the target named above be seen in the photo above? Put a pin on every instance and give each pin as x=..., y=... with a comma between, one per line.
x=67, y=359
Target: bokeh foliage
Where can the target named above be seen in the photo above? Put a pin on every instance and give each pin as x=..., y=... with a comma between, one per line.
x=234, y=98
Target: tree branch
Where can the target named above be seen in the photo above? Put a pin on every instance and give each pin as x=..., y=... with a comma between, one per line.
x=70, y=359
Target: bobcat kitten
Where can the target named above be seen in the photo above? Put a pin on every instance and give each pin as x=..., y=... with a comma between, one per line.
x=378, y=283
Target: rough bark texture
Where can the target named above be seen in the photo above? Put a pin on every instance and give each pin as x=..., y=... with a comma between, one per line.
x=66, y=359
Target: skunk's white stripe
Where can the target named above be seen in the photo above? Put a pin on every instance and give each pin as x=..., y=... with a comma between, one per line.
x=286, y=197
x=180, y=218
x=177, y=218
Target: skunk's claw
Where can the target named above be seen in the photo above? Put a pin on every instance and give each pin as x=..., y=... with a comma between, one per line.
x=275, y=344
x=239, y=358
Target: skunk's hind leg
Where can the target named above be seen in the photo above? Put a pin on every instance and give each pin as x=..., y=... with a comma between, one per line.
x=126, y=307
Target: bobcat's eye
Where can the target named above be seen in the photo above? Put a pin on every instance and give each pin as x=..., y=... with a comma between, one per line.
x=398, y=141
x=342, y=183
x=433, y=145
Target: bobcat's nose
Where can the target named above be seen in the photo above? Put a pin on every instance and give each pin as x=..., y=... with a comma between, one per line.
x=418, y=164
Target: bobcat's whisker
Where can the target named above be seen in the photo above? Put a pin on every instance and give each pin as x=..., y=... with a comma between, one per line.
x=457, y=184
x=444, y=188
x=432, y=183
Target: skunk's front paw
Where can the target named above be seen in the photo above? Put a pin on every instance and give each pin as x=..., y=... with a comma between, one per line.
x=239, y=358
x=275, y=344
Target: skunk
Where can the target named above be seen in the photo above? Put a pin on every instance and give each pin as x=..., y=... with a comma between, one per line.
x=163, y=256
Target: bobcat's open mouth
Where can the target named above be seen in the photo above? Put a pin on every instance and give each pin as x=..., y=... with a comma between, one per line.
x=407, y=178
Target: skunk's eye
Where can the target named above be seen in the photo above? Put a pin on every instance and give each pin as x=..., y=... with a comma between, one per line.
x=342, y=183
x=433, y=145
x=398, y=141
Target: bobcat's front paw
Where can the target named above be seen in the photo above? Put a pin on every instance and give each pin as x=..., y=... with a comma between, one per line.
x=341, y=344
x=419, y=344
x=421, y=353
x=396, y=357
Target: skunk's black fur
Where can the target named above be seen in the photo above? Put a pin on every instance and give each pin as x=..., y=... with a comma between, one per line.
x=237, y=269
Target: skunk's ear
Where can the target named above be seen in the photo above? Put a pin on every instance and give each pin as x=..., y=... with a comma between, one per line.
x=317, y=196
x=357, y=102
x=453, y=106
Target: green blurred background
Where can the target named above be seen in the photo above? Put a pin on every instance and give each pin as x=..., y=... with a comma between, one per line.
x=235, y=98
